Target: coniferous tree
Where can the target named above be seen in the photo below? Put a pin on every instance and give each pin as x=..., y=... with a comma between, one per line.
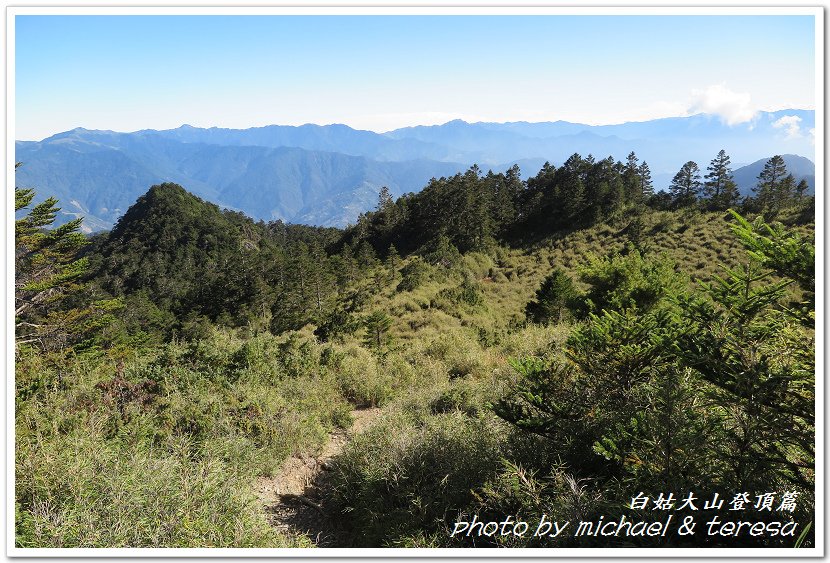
x=506, y=190
x=385, y=200
x=47, y=270
x=575, y=172
x=553, y=298
x=393, y=259
x=377, y=325
x=386, y=213
x=478, y=223
x=685, y=185
x=787, y=191
x=771, y=186
x=560, y=195
x=322, y=279
x=512, y=189
x=646, y=184
x=294, y=303
x=626, y=281
x=719, y=187
x=605, y=191
x=661, y=200
x=735, y=339
x=443, y=252
x=632, y=179
x=346, y=267
x=788, y=254
x=610, y=176
x=713, y=390
x=366, y=256
x=537, y=203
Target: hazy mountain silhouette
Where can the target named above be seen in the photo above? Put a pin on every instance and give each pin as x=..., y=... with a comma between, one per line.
x=329, y=174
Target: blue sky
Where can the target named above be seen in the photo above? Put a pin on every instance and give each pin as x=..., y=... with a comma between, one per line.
x=381, y=72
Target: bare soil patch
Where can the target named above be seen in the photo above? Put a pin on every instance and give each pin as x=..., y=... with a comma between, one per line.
x=296, y=498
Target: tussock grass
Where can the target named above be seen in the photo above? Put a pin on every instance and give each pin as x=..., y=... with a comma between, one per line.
x=173, y=467
x=406, y=476
x=164, y=451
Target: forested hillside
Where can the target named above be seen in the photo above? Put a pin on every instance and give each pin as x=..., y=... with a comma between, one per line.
x=552, y=346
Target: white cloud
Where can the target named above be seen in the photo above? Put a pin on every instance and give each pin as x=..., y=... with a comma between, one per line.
x=732, y=107
x=790, y=124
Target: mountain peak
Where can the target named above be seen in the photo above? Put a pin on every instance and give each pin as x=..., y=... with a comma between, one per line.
x=167, y=203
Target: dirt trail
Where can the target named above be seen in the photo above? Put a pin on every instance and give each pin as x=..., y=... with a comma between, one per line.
x=295, y=497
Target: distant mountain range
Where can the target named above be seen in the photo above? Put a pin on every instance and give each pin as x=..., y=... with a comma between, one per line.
x=802, y=168
x=328, y=175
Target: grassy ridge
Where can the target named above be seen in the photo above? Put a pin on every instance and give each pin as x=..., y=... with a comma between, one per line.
x=161, y=447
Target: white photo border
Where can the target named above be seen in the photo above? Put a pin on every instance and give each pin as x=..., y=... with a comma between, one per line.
x=418, y=8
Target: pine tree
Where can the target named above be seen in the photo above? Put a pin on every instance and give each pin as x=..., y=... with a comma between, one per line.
x=552, y=298
x=627, y=281
x=713, y=389
x=735, y=341
x=377, y=325
x=393, y=259
x=47, y=271
x=801, y=189
x=787, y=192
x=771, y=185
x=513, y=189
x=572, y=177
x=321, y=278
x=346, y=267
x=685, y=185
x=465, y=213
x=646, y=185
x=393, y=262
x=386, y=215
x=366, y=257
x=385, y=200
x=295, y=303
x=631, y=178
x=719, y=188
x=480, y=204
x=606, y=189
x=505, y=190
x=787, y=253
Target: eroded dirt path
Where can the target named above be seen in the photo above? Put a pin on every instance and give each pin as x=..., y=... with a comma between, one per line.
x=295, y=498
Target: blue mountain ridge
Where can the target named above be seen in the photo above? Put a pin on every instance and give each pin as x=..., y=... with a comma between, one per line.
x=329, y=174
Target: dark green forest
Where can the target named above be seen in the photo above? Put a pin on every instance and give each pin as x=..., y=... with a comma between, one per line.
x=555, y=346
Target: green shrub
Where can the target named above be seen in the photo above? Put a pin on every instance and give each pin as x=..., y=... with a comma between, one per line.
x=478, y=264
x=298, y=355
x=360, y=379
x=415, y=273
x=397, y=481
x=526, y=495
x=259, y=355
x=621, y=281
x=498, y=276
x=207, y=358
x=462, y=397
x=554, y=298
